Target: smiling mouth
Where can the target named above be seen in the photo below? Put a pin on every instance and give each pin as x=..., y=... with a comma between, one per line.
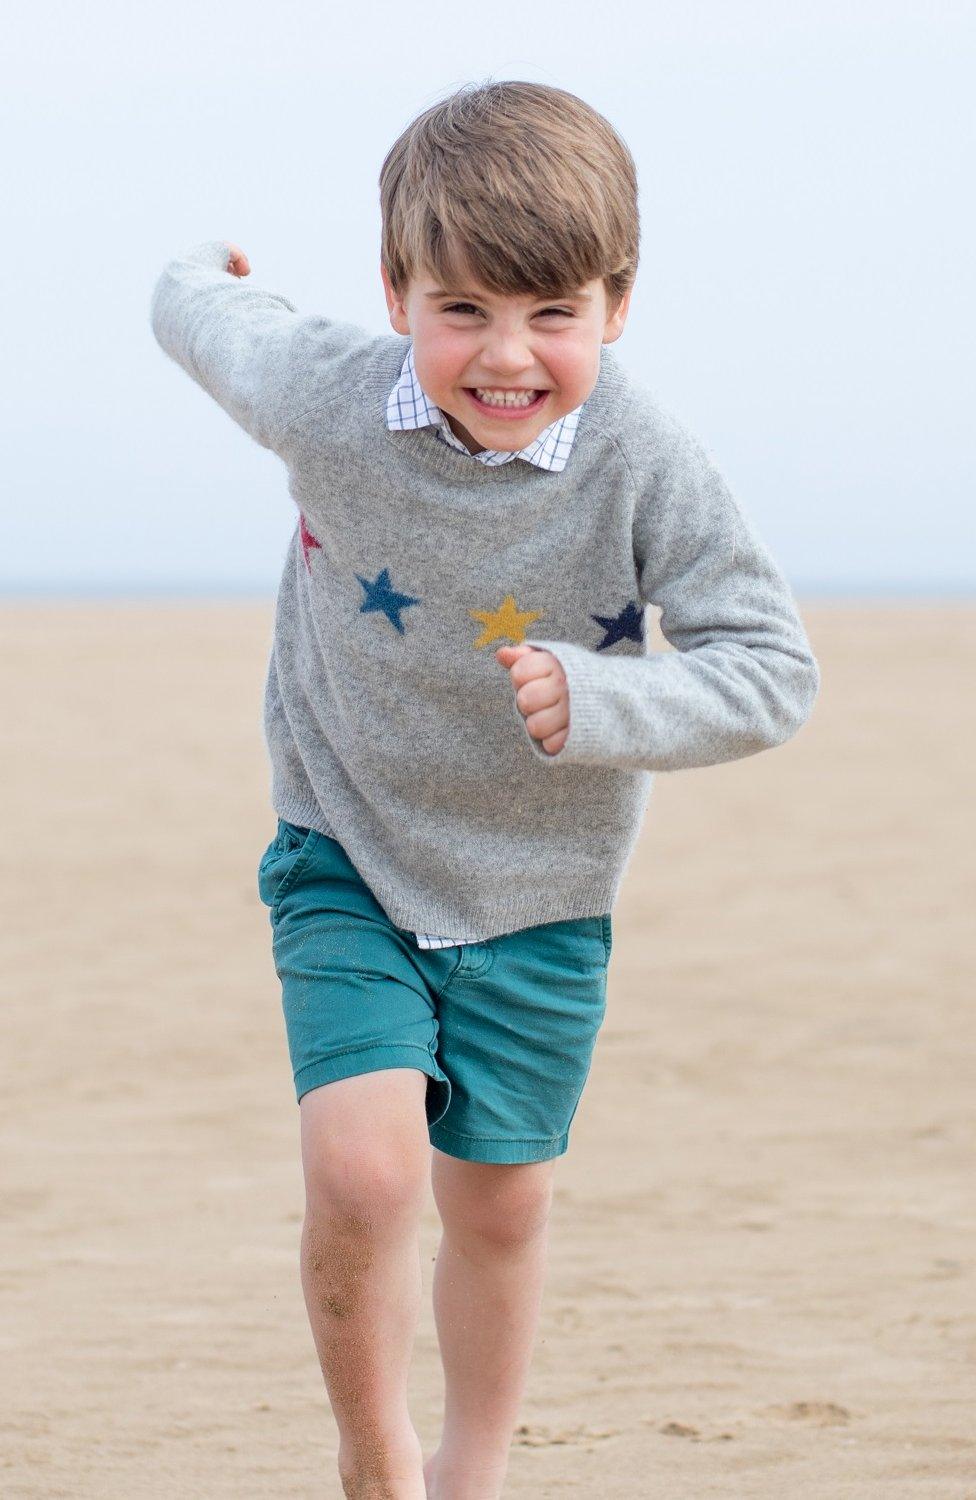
x=509, y=409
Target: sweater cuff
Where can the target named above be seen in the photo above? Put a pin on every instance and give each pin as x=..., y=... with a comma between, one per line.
x=212, y=253
x=583, y=743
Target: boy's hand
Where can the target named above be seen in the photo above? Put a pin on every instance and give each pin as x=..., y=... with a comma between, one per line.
x=541, y=693
x=238, y=265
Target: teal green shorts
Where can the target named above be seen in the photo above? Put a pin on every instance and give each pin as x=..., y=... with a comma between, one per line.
x=504, y=1029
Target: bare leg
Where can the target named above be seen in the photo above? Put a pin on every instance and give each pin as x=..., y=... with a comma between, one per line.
x=366, y=1159
x=488, y=1283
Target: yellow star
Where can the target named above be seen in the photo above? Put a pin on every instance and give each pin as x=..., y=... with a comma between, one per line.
x=506, y=622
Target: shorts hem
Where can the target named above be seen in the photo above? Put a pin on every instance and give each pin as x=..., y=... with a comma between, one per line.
x=495, y=1149
x=356, y=1060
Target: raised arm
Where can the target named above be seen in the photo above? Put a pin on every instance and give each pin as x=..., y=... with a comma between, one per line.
x=234, y=340
x=742, y=678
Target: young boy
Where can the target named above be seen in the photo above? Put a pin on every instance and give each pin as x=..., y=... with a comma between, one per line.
x=464, y=719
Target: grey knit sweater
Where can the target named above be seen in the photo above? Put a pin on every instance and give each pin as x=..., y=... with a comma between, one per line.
x=389, y=722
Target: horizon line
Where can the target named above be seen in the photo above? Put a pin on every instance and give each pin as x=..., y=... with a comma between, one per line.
x=810, y=588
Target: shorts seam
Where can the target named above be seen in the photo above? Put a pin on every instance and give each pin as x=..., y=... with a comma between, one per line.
x=503, y=1140
x=302, y=857
x=369, y=1047
x=439, y=994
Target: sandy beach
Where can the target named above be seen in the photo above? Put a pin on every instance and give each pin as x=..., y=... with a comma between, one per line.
x=763, y=1263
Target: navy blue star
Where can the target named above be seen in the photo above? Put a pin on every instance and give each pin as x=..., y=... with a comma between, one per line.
x=380, y=596
x=628, y=625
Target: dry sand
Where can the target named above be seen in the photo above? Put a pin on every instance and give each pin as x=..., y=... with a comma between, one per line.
x=763, y=1266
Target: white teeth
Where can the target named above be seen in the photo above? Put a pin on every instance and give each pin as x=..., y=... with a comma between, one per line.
x=506, y=398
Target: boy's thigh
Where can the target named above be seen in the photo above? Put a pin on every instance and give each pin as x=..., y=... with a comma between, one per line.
x=518, y=1021
x=364, y=1142
x=354, y=997
x=505, y=1203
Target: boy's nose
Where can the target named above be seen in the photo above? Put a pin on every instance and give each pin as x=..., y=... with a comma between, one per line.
x=507, y=356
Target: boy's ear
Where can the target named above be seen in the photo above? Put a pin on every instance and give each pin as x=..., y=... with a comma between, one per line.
x=394, y=303
x=615, y=322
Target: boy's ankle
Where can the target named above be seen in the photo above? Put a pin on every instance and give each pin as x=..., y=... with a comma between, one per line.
x=393, y=1471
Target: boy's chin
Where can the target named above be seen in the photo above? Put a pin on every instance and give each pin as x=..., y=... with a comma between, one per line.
x=477, y=436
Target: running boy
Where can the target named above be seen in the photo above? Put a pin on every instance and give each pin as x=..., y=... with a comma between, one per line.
x=463, y=720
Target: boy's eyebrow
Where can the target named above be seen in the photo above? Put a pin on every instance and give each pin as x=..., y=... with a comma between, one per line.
x=474, y=297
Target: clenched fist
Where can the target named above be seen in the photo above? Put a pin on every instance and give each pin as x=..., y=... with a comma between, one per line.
x=541, y=693
x=239, y=264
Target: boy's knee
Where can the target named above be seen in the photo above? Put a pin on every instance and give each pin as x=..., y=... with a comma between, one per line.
x=367, y=1187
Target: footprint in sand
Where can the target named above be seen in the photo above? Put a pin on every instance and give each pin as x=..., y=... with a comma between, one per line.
x=685, y=1430
x=817, y=1413
x=545, y=1437
x=680, y=1429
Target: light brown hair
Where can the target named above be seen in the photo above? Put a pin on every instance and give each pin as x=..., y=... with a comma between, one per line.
x=521, y=187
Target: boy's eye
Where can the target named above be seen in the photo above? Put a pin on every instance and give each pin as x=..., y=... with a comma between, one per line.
x=466, y=307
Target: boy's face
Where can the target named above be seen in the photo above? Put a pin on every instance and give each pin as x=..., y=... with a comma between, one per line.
x=468, y=341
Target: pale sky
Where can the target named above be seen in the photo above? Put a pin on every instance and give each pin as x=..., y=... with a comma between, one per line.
x=804, y=301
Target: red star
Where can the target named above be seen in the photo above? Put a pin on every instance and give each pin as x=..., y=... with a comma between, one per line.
x=308, y=540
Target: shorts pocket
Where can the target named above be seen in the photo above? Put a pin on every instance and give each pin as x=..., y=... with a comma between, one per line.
x=598, y=932
x=579, y=941
x=283, y=862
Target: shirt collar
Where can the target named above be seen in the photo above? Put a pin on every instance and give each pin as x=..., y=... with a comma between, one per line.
x=408, y=407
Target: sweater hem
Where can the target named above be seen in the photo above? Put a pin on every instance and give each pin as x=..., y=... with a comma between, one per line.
x=505, y=919
x=424, y=917
x=303, y=811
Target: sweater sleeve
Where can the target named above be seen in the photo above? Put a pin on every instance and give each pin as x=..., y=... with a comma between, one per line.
x=742, y=677
x=234, y=339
